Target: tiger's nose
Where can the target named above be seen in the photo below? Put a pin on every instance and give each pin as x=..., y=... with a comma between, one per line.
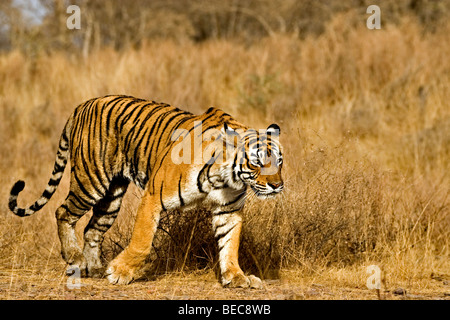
x=275, y=185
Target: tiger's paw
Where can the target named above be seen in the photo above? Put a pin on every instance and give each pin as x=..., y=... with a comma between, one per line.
x=77, y=269
x=119, y=273
x=242, y=281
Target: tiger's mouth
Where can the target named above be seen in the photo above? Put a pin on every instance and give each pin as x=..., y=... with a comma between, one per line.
x=263, y=194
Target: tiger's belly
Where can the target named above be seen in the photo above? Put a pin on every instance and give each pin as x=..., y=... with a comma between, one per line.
x=215, y=200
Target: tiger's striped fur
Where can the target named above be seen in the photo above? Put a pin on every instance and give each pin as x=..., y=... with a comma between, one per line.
x=114, y=140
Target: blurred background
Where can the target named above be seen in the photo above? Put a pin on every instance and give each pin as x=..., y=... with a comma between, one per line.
x=36, y=26
x=364, y=117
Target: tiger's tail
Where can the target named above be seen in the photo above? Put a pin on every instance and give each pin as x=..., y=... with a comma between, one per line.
x=58, y=170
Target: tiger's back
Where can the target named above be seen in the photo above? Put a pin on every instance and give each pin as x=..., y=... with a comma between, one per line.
x=123, y=136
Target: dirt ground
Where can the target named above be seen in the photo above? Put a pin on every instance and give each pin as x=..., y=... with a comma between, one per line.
x=26, y=284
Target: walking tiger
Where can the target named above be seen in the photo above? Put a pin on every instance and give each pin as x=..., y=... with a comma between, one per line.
x=114, y=140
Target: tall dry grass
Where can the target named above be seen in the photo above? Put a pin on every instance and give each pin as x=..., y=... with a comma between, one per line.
x=365, y=123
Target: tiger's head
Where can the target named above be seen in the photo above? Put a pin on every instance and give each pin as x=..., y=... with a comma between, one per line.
x=258, y=160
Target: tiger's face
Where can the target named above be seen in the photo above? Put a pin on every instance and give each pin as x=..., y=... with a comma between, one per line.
x=259, y=160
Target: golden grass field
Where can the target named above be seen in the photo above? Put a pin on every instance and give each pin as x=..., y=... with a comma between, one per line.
x=365, y=126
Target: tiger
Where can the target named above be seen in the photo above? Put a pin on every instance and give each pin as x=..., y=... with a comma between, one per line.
x=117, y=139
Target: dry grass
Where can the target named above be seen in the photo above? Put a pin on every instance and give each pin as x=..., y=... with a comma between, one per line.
x=365, y=124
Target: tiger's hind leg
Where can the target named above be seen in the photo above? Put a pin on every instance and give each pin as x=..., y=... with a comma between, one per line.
x=67, y=215
x=82, y=197
x=104, y=214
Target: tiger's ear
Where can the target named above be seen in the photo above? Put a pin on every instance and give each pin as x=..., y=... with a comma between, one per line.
x=273, y=130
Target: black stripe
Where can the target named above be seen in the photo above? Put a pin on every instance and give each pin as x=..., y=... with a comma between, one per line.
x=104, y=213
x=179, y=191
x=83, y=202
x=103, y=142
x=220, y=226
x=36, y=207
x=95, y=123
x=89, y=127
x=57, y=168
x=188, y=131
x=160, y=196
x=82, y=208
x=141, y=110
x=47, y=194
x=209, y=165
x=131, y=134
x=223, y=245
x=126, y=116
x=64, y=137
x=199, y=183
x=12, y=204
x=178, y=124
x=163, y=130
x=246, y=158
x=93, y=120
x=202, y=122
x=157, y=166
x=91, y=152
x=157, y=125
x=18, y=187
x=207, y=174
x=111, y=104
x=137, y=149
x=84, y=115
x=158, y=121
x=112, y=108
x=83, y=189
x=242, y=172
x=233, y=168
x=224, y=234
x=20, y=212
x=60, y=155
x=89, y=176
x=226, y=212
x=63, y=149
x=127, y=113
x=208, y=127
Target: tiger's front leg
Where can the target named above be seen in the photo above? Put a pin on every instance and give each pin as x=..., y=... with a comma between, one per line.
x=126, y=266
x=227, y=229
